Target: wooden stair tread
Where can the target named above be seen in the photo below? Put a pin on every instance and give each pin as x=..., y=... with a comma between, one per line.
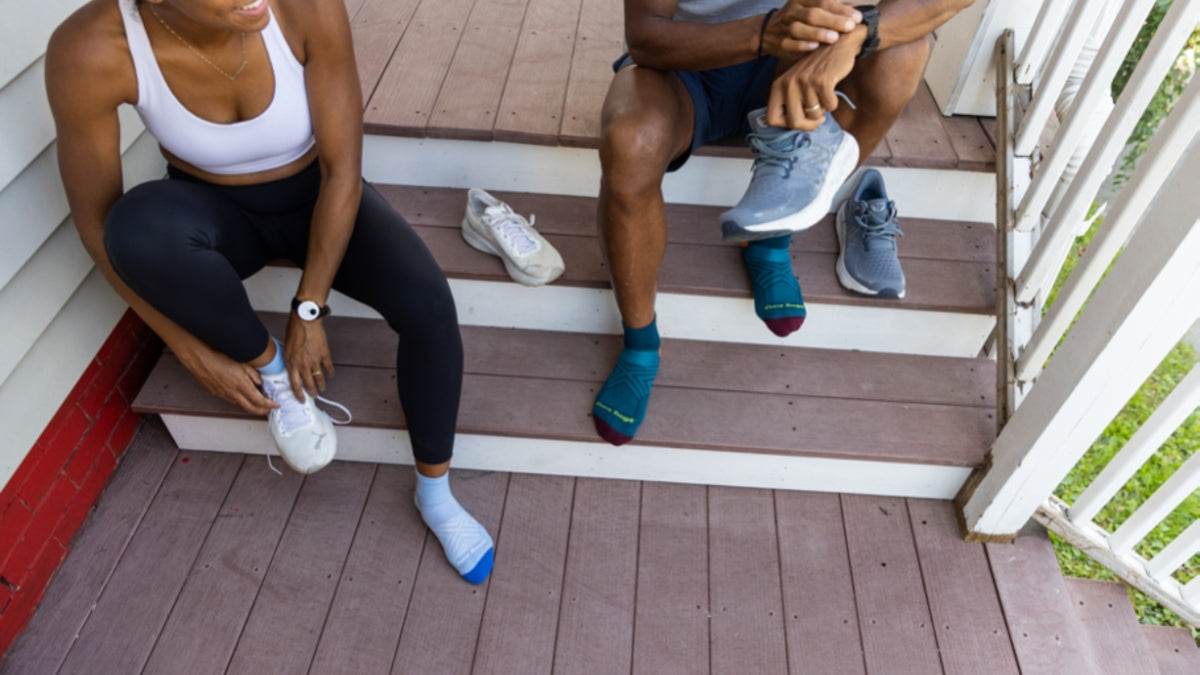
x=537, y=72
x=1174, y=649
x=685, y=412
x=948, y=265
x=1112, y=627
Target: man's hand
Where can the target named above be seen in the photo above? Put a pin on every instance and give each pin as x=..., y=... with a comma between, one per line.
x=306, y=352
x=801, y=26
x=802, y=93
x=223, y=377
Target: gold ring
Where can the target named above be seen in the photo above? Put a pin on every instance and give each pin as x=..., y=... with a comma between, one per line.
x=813, y=108
x=316, y=373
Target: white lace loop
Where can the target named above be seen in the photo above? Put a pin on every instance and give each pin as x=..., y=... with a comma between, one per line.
x=512, y=227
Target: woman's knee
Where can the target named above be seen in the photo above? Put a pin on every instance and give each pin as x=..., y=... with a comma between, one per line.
x=132, y=237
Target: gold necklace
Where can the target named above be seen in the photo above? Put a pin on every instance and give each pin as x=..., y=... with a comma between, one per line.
x=197, y=52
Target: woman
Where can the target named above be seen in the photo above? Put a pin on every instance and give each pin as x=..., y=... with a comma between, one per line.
x=257, y=107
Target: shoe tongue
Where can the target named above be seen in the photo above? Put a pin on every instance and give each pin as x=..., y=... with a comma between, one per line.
x=877, y=210
x=495, y=211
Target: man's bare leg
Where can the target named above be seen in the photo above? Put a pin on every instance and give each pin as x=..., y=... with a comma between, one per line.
x=880, y=86
x=646, y=122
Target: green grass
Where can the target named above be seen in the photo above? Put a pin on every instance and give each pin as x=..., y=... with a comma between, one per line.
x=1181, y=445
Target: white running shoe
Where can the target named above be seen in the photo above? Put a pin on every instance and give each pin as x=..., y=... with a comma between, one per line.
x=303, y=432
x=493, y=227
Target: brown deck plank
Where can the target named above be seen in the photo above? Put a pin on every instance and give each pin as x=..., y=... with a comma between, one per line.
x=595, y=621
x=689, y=224
x=532, y=106
x=818, y=592
x=918, y=139
x=893, y=614
x=352, y=7
x=601, y=34
x=377, y=28
x=203, y=628
x=1112, y=627
x=470, y=96
x=1046, y=634
x=733, y=421
x=672, y=613
x=967, y=617
x=938, y=285
x=368, y=609
x=524, y=595
x=131, y=611
x=972, y=146
x=285, y=623
x=793, y=371
x=747, y=632
x=95, y=552
x=404, y=97
x=1175, y=651
x=444, y=610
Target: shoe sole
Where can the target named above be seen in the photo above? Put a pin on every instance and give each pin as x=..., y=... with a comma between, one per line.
x=481, y=243
x=845, y=159
x=844, y=277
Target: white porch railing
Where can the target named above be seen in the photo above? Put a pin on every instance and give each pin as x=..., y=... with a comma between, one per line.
x=1060, y=393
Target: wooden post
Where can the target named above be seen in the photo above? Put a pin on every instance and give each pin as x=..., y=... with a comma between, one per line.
x=1134, y=318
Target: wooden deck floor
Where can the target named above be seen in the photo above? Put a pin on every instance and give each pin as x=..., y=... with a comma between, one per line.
x=204, y=562
x=537, y=71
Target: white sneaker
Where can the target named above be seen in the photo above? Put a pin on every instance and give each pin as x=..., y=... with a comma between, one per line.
x=303, y=432
x=493, y=227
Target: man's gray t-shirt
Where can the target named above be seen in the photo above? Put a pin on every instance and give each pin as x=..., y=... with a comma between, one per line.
x=720, y=11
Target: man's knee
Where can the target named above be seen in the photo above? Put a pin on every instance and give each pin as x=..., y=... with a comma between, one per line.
x=638, y=141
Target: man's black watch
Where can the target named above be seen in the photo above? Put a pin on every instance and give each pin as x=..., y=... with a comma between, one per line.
x=870, y=19
x=308, y=310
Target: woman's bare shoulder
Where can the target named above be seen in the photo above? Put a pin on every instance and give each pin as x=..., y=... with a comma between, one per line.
x=90, y=47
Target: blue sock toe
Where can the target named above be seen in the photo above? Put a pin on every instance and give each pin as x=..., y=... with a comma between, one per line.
x=479, y=573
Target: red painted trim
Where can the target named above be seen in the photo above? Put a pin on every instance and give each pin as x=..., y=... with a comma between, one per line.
x=50, y=494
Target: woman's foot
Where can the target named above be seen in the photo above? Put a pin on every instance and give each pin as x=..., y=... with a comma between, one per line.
x=467, y=545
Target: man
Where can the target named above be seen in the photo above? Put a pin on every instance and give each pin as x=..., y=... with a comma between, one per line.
x=699, y=70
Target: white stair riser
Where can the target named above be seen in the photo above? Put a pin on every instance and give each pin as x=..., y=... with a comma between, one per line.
x=599, y=460
x=681, y=316
x=941, y=194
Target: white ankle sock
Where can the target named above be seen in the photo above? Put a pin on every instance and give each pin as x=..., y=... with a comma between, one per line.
x=466, y=543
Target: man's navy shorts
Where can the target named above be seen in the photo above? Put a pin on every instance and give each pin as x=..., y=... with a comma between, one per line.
x=721, y=98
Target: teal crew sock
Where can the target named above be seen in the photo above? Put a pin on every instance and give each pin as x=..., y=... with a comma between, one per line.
x=466, y=543
x=620, y=406
x=777, y=298
x=276, y=365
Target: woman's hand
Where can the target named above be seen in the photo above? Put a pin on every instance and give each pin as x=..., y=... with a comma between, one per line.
x=803, y=25
x=306, y=353
x=223, y=377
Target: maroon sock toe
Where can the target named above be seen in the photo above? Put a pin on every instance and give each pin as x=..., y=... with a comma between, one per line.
x=609, y=434
x=784, y=326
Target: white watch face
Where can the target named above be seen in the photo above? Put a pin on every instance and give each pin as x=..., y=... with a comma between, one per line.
x=308, y=310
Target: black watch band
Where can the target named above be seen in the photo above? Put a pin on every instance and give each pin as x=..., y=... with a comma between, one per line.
x=308, y=310
x=870, y=19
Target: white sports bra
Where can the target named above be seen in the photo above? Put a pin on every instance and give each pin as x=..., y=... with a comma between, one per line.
x=281, y=134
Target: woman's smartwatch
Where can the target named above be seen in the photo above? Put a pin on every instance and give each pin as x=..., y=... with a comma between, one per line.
x=308, y=310
x=870, y=19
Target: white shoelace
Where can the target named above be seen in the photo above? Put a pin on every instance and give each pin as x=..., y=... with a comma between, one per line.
x=293, y=414
x=512, y=227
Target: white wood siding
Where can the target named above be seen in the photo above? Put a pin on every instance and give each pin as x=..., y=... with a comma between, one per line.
x=58, y=309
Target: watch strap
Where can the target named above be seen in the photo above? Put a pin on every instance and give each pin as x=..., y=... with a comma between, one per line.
x=870, y=19
x=322, y=310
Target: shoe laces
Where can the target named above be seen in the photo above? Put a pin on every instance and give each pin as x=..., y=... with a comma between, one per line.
x=512, y=227
x=292, y=413
x=778, y=152
x=878, y=226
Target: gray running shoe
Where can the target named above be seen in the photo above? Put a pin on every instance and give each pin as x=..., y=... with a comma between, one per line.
x=796, y=175
x=867, y=229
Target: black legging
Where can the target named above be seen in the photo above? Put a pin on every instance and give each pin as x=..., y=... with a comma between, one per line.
x=184, y=245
